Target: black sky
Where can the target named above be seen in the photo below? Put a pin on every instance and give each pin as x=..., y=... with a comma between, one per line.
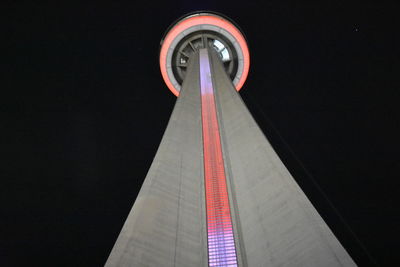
x=83, y=108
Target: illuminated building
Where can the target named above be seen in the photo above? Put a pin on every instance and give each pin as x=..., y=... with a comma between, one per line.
x=216, y=193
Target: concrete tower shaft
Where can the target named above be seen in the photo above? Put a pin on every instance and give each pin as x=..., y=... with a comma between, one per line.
x=216, y=193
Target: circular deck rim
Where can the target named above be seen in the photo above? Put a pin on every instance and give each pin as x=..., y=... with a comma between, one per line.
x=198, y=19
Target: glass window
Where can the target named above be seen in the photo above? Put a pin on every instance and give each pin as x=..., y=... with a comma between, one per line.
x=218, y=45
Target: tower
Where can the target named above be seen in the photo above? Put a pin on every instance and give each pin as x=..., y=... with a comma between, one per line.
x=216, y=193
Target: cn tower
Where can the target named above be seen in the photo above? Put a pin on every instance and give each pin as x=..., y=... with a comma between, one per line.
x=216, y=193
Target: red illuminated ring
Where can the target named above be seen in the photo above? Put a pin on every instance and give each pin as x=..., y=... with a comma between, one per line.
x=206, y=21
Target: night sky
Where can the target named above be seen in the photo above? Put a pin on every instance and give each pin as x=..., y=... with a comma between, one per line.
x=83, y=108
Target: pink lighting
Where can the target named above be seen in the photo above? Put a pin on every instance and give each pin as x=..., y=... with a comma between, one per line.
x=185, y=24
x=221, y=243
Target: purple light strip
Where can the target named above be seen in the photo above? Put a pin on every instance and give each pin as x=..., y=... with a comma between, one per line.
x=221, y=243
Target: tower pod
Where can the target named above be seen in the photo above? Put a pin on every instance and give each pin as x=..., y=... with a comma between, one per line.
x=197, y=31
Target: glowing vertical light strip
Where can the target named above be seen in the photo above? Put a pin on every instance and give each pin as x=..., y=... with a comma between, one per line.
x=221, y=243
